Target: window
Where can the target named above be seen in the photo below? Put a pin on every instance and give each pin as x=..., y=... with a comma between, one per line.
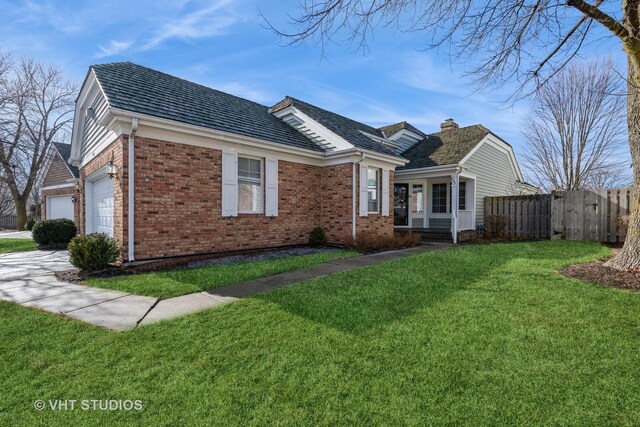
x=462, y=196
x=373, y=189
x=439, y=198
x=250, y=187
x=416, y=199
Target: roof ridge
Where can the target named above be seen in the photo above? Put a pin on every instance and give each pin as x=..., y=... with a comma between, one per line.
x=293, y=101
x=477, y=125
x=178, y=78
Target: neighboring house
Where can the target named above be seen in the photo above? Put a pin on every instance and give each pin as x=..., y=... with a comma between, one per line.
x=57, y=181
x=169, y=168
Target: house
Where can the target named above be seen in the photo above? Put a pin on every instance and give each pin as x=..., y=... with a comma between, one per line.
x=448, y=175
x=57, y=181
x=170, y=168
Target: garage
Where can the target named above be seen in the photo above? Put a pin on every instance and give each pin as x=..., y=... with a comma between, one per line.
x=59, y=207
x=100, y=206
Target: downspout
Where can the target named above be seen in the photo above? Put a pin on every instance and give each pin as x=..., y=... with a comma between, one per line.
x=454, y=204
x=131, y=190
x=354, y=196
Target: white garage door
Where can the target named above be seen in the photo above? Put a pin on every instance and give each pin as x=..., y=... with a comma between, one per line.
x=59, y=207
x=102, y=207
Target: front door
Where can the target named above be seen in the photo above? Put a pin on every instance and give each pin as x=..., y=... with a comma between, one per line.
x=401, y=204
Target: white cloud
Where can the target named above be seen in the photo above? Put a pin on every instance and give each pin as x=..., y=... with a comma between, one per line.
x=245, y=91
x=113, y=48
x=211, y=21
x=421, y=71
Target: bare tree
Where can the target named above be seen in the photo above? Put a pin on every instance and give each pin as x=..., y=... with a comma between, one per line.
x=575, y=127
x=524, y=41
x=36, y=105
x=6, y=201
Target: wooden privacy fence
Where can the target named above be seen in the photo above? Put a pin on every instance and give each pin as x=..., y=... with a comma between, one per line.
x=9, y=222
x=518, y=217
x=590, y=214
x=597, y=215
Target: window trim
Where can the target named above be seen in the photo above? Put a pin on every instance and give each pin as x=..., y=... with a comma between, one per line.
x=262, y=184
x=378, y=189
x=446, y=198
x=462, y=199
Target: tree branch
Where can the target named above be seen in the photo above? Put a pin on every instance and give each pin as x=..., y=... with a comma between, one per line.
x=595, y=13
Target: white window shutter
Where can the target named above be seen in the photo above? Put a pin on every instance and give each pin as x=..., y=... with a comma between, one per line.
x=385, y=192
x=229, y=184
x=364, y=194
x=271, y=178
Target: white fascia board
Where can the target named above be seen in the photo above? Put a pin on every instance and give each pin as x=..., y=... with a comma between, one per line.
x=57, y=187
x=501, y=145
x=90, y=88
x=181, y=133
x=407, y=133
x=44, y=168
x=332, y=138
x=172, y=131
x=374, y=155
x=430, y=172
x=465, y=174
x=380, y=139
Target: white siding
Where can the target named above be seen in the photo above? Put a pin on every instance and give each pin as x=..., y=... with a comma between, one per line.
x=495, y=175
x=92, y=133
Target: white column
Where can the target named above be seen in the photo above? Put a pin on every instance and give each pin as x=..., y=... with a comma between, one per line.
x=455, y=180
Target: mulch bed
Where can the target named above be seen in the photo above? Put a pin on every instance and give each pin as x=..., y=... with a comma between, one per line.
x=193, y=261
x=597, y=272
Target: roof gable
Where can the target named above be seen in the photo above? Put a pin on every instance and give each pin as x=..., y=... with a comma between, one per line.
x=347, y=129
x=138, y=89
x=65, y=153
x=393, y=129
x=444, y=148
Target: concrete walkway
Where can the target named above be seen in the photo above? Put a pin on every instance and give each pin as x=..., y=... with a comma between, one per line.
x=28, y=286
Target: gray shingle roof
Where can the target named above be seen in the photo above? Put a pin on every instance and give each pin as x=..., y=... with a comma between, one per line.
x=397, y=127
x=65, y=153
x=138, y=89
x=444, y=148
x=343, y=126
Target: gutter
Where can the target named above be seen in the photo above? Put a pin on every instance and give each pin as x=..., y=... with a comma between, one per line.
x=354, y=196
x=131, y=190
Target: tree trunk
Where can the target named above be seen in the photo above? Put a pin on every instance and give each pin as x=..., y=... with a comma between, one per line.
x=21, y=213
x=629, y=257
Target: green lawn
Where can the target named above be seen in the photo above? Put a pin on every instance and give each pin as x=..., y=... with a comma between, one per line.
x=481, y=335
x=166, y=284
x=16, y=245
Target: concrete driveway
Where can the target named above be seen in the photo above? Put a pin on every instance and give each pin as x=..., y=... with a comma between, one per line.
x=32, y=263
x=27, y=278
x=16, y=235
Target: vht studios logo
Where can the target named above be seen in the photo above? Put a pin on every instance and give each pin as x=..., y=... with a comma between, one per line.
x=88, y=405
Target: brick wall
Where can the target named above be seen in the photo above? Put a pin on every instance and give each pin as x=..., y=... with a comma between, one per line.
x=178, y=204
x=69, y=191
x=336, y=196
x=179, y=195
x=376, y=223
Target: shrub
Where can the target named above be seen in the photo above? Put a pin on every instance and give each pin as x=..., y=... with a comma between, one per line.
x=495, y=226
x=371, y=242
x=93, y=252
x=54, y=232
x=317, y=237
x=29, y=224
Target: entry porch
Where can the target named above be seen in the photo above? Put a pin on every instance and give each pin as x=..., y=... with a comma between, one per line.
x=433, y=203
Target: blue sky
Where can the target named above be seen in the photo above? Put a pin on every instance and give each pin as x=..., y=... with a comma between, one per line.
x=223, y=44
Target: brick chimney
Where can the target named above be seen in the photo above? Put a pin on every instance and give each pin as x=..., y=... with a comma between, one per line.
x=448, y=125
